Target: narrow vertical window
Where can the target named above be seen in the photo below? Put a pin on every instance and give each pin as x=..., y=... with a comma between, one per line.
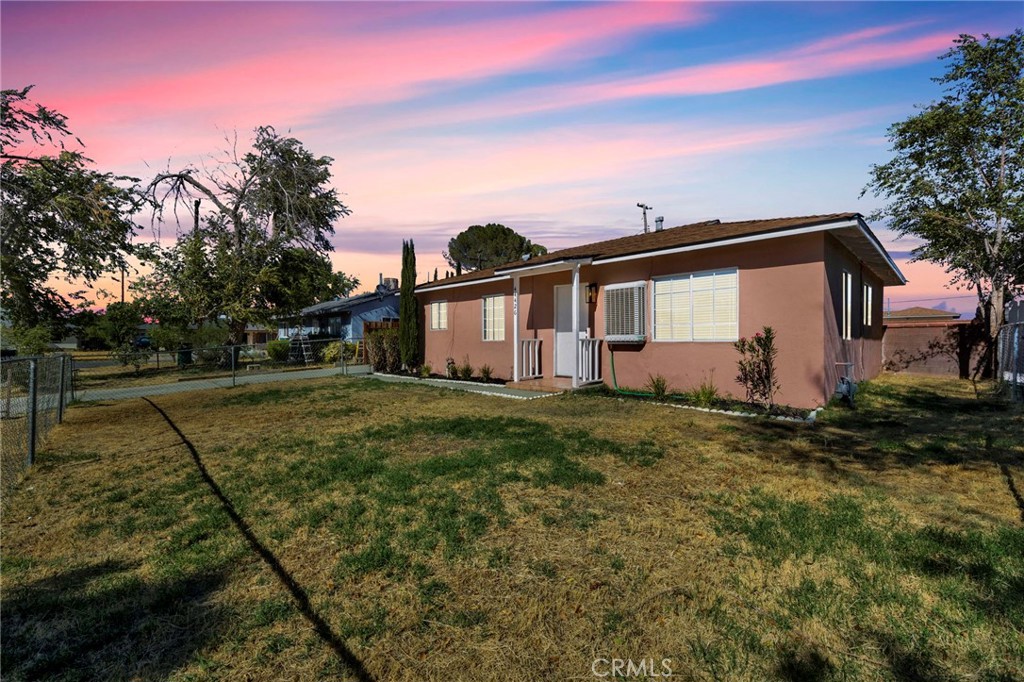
x=846, y=320
x=867, y=303
x=494, y=318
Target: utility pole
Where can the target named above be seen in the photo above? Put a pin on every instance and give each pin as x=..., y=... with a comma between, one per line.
x=645, y=208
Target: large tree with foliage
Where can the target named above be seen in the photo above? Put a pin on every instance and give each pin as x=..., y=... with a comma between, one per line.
x=486, y=246
x=408, y=312
x=58, y=216
x=260, y=250
x=957, y=179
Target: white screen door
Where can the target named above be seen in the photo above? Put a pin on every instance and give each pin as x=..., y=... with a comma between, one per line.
x=563, y=328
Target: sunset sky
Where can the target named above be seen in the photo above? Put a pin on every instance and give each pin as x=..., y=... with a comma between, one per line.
x=552, y=118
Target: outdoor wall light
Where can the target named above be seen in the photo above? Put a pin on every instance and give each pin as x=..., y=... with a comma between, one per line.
x=591, y=296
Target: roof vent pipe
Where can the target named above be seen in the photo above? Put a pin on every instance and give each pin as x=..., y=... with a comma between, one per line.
x=659, y=223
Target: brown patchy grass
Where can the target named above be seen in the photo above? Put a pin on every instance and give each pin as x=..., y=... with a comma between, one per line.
x=440, y=535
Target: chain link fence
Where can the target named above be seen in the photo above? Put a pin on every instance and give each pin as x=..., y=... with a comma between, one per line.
x=33, y=394
x=1011, y=359
x=103, y=375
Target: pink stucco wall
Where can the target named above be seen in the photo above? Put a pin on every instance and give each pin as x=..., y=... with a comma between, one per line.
x=787, y=283
x=864, y=349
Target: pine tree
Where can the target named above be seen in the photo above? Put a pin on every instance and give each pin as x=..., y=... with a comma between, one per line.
x=408, y=314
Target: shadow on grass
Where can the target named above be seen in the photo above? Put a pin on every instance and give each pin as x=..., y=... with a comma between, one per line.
x=320, y=626
x=102, y=621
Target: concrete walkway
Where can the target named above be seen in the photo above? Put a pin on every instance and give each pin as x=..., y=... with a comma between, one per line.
x=469, y=387
x=219, y=382
x=128, y=392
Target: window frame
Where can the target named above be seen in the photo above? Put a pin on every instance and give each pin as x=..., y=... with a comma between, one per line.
x=846, y=305
x=438, y=304
x=663, y=278
x=640, y=337
x=483, y=317
x=867, y=301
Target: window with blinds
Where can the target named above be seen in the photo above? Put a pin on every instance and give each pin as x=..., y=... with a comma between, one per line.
x=494, y=318
x=439, y=315
x=624, y=317
x=700, y=306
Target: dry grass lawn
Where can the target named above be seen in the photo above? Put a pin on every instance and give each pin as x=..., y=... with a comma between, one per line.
x=351, y=529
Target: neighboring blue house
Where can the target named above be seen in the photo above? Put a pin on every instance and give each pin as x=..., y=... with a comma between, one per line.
x=343, y=318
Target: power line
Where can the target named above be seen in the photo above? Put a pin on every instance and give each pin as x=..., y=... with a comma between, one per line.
x=937, y=298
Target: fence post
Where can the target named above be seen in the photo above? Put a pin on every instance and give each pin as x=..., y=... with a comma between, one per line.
x=233, y=349
x=60, y=389
x=30, y=414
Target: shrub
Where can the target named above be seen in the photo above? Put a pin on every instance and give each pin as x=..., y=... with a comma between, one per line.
x=30, y=340
x=706, y=395
x=465, y=370
x=757, y=367
x=332, y=352
x=425, y=371
x=657, y=385
x=277, y=350
x=486, y=372
x=383, y=351
x=451, y=369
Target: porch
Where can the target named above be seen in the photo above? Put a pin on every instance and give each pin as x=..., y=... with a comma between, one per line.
x=563, y=353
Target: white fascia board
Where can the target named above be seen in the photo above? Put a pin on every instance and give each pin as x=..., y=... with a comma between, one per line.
x=881, y=250
x=552, y=266
x=729, y=242
x=467, y=283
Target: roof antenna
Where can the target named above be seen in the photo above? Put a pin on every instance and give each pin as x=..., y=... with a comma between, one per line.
x=645, y=208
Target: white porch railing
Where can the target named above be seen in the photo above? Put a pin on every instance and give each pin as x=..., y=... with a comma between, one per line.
x=589, y=366
x=529, y=359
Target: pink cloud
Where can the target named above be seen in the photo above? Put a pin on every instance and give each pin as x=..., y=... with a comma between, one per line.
x=309, y=73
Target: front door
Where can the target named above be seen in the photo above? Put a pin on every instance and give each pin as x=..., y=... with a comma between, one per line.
x=563, y=328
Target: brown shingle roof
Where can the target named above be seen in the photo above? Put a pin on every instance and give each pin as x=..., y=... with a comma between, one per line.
x=919, y=312
x=670, y=237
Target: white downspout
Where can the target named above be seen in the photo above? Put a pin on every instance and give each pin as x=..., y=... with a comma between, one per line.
x=515, y=328
x=575, y=325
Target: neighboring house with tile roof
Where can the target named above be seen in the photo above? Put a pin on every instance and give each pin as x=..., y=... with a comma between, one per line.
x=919, y=314
x=673, y=302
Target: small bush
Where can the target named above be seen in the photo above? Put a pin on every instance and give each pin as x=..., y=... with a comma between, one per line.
x=657, y=385
x=757, y=367
x=465, y=370
x=706, y=395
x=425, y=371
x=277, y=350
x=486, y=372
x=451, y=369
x=332, y=352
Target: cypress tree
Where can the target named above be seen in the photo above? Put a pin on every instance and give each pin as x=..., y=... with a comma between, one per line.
x=408, y=313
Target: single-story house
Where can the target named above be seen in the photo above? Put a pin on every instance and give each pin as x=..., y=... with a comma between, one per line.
x=931, y=341
x=343, y=318
x=920, y=314
x=672, y=302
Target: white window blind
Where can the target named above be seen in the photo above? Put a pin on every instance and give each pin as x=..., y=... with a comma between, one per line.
x=494, y=318
x=847, y=320
x=624, y=317
x=439, y=315
x=697, y=307
x=866, y=303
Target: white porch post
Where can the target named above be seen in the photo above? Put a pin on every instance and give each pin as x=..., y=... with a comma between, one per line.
x=574, y=307
x=515, y=328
